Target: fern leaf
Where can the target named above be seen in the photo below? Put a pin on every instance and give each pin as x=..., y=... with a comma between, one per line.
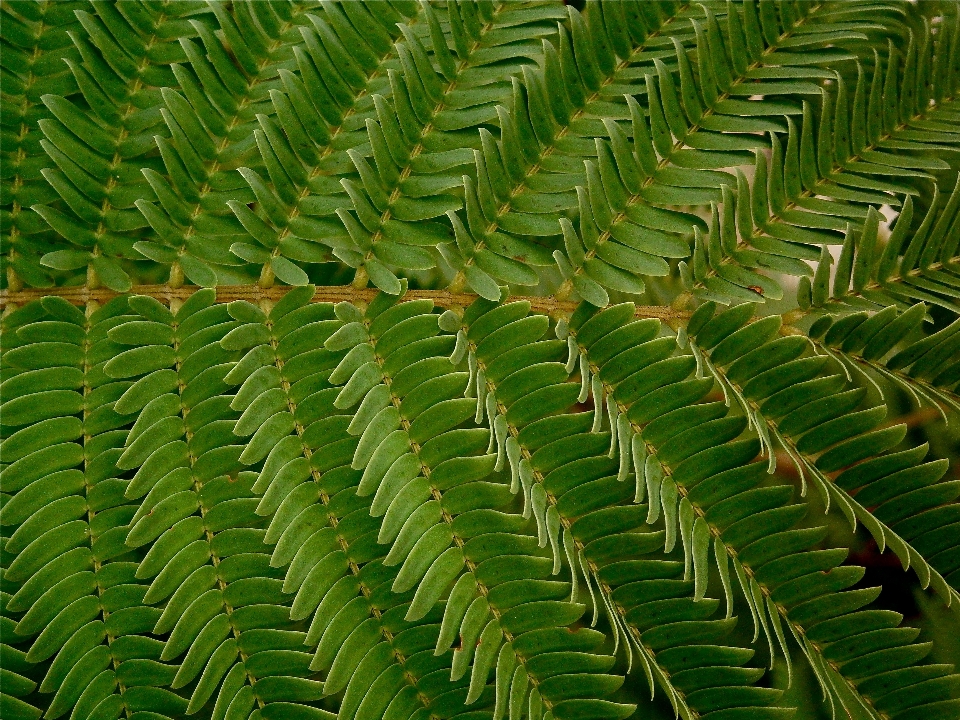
x=198, y=510
x=674, y=160
x=392, y=499
x=697, y=448
x=36, y=42
x=395, y=501
x=926, y=378
x=97, y=145
x=796, y=197
x=76, y=597
x=447, y=469
x=584, y=510
x=914, y=265
x=420, y=123
x=304, y=150
x=212, y=127
x=527, y=179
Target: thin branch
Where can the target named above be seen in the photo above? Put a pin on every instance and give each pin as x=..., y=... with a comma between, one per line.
x=334, y=293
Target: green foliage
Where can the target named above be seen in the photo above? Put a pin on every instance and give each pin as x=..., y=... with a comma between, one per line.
x=233, y=487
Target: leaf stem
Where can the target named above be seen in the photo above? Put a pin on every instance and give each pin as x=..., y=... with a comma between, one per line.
x=548, y=304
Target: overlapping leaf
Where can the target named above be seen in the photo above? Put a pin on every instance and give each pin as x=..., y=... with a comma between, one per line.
x=689, y=458
x=278, y=508
x=35, y=44
x=884, y=142
x=77, y=600
x=98, y=141
x=587, y=513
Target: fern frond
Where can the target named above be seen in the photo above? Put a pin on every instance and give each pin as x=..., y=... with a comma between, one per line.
x=924, y=369
x=411, y=188
x=693, y=450
x=97, y=141
x=810, y=192
x=76, y=594
x=673, y=160
x=211, y=127
x=525, y=181
x=322, y=531
x=305, y=149
x=242, y=496
x=584, y=510
x=197, y=510
x=820, y=422
x=320, y=119
x=295, y=348
x=431, y=487
x=420, y=132
x=916, y=264
x=97, y=146
x=36, y=44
